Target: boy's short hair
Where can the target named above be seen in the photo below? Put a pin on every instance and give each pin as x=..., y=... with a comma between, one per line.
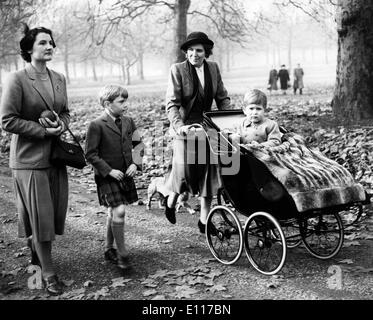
x=255, y=96
x=111, y=92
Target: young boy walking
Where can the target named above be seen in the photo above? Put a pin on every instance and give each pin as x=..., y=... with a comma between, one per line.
x=110, y=141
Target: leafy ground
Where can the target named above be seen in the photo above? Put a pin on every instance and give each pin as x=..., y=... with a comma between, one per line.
x=173, y=261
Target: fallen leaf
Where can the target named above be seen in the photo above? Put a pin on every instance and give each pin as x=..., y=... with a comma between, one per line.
x=148, y=293
x=185, y=292
x=216, y=288
x=88, y=283
x=159, y=297
x=351, y=243
x=77, y=294
x=348, y=261
x=103, y=292
x=150, y=283
x=119, y=282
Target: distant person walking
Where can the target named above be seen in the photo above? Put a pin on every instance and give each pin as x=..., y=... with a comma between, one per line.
x=283, y=74
x=272, y=81
x=298, y=79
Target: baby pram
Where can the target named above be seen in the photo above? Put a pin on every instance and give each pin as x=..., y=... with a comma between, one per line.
x=256, y=212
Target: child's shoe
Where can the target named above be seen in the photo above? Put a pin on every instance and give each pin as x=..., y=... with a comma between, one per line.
x=123, y=263
x=53, y=286
x=111, y=255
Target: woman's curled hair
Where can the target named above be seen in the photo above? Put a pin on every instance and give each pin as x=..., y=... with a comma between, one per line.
x=28, y=40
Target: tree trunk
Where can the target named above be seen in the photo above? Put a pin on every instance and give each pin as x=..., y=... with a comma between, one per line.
x=128, y=80
x=123, y=70
x=66, y=64
x=228, y=56
x=290, y=44
x=94, y=70
x=181, y=10
x=140, y=66
x=353, y=97
x=74, y=69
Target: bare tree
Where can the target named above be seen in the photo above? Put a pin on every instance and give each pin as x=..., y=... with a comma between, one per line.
x=12, y=13
x=353, y=97
x=227, y=16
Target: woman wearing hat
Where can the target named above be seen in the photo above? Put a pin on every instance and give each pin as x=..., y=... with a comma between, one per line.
x=192, y=87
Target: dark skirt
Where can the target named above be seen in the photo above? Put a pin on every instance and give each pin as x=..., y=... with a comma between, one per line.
x=41, y=199
x=112, y=193
x=193, y=168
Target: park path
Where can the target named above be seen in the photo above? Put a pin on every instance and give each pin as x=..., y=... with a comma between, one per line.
x=170, y=261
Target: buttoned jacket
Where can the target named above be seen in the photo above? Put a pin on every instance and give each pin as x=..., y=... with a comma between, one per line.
x=23, y=99
x=106, y=147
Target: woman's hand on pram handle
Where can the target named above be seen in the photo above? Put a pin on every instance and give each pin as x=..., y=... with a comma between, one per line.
x=184, y=130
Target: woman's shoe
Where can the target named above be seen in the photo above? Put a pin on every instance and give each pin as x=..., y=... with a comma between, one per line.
x=211, y=228
x=34, y=257
x=170, y=212
x=53, y=286
x=201, y=226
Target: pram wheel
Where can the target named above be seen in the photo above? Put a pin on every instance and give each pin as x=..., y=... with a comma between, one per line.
x=265, y=243
x=292, y=235
x=322, y=235
x=224, y=235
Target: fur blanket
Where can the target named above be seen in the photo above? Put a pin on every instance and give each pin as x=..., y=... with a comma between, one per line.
x=312, y=180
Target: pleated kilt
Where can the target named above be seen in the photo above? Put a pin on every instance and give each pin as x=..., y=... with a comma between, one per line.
x=112, y=193
x=41, y=201
x=192, y=167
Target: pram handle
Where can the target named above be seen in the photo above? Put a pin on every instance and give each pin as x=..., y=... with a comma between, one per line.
x=201, y=128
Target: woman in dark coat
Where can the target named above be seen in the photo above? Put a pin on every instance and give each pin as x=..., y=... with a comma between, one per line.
x=283, y=74
x=272, y=81
x=41, y=189
x=192, y=87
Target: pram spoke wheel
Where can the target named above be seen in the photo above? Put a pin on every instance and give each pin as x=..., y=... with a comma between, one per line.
x=265, y=243
x=322, y=235
x=224, y=235
x=292, y=235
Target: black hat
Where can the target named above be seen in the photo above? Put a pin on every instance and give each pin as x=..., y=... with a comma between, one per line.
x=196, y=38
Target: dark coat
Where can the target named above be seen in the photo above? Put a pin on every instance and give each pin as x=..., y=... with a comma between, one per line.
x=272, y=81
x=179, y=96
x=283, y=74
x=106, y=148
x=23, y=100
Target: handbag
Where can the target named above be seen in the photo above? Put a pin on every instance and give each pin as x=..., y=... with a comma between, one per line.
x=67, y=154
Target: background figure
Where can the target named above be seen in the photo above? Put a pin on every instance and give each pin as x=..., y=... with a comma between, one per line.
x=283, y=74
x=272, y=81
x=41, y=189
x=298, y=79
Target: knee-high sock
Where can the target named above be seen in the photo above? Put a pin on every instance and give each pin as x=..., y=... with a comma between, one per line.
x=118, y=232
x=109, y=233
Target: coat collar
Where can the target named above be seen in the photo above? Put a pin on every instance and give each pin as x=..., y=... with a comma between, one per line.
x=212, y=70
x=109, y=122
x=39, y=87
